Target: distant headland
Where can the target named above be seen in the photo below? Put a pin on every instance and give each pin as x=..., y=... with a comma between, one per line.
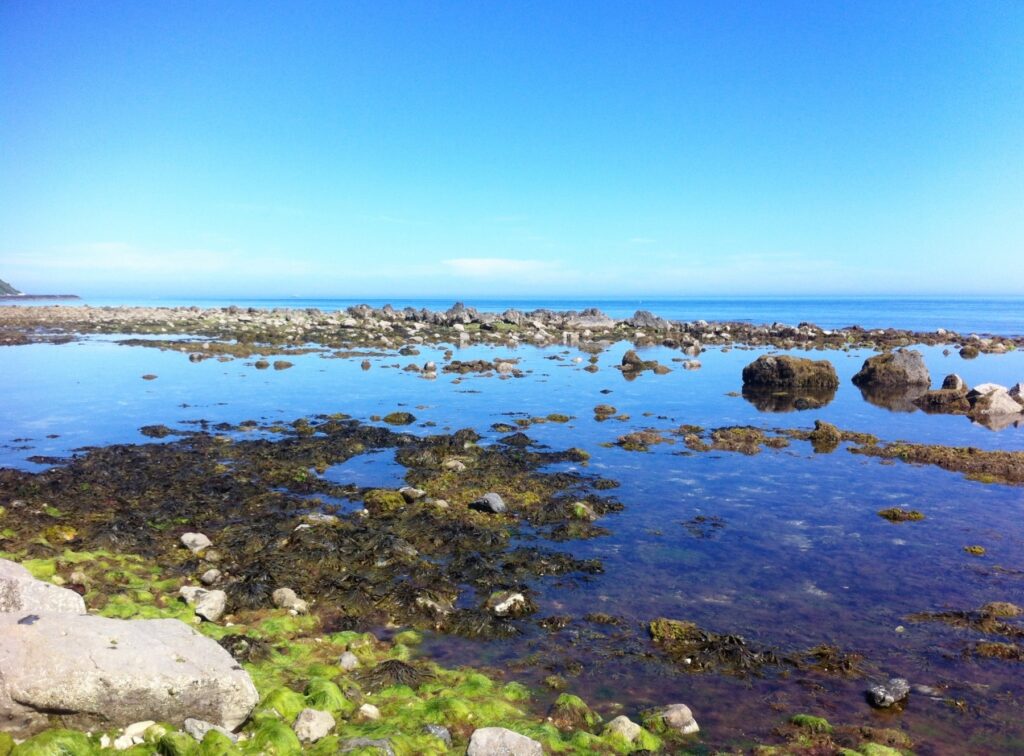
x=9, y=292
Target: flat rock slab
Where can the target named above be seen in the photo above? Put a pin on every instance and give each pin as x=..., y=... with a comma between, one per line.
x=95, y=671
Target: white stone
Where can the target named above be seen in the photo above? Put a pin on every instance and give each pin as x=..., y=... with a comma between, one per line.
x=624, y=726
x=497, y=741
x=680, y=718
x=195, y=542
x=312, y=724
x=369, y=712
x=23, y=594
x=348, y=661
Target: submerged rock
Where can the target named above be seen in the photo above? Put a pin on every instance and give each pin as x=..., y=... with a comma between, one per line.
x=904, y=367
x=890, y=694
x=783, y=371
x=497, y=741
x=101, y=672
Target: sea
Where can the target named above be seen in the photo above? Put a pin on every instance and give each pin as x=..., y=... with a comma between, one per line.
x=783, y=548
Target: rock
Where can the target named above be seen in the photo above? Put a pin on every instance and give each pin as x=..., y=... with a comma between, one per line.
x=1017, y=393
x=679, y=718
x=904, y=367
x=489, y=502
x=497, y=741
x=954, y=382
x=890, y=694
x=948, y=401
x=210, y=577
x=454, y=465
x=355, y=744
x=783, y=371
x=312, y=724
x=195, y=542
x=348, y=661
x=507, y=603
x=625, y=727
x=22, y=593
x=101, y=672
x=825, y=437
x=992, y=400
x=198, y=728
x=368, y=712
x=411, y=494
x=285, y=598
x=505, y=367
x=211, y=605
x=439, y=731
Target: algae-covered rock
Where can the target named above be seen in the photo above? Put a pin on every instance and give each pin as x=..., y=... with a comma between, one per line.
x=570, y=712
x=903, y=367
x=825, y=437
x=399, y=418
x=56, y=743
x=784, y=371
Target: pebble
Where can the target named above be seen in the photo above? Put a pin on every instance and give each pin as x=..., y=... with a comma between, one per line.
x=348, y=661
x=312, y=724
x=195, y=542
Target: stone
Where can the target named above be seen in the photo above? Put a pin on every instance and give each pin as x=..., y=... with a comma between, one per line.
x=992, y=400
x=22, y=593
x=312, y=724
x=440, y=732
x=354, y=744
x=1017, y=393
x=348, y=661
x=904, y=367
x=209, y=605
x=198, y=728
x=624, y=727
x=285, y=598
x=497, y=741
x=210, y=577
x=101, y=672
x=783, y=371
x=679, y=718
x=368, y=712
x=489, y=502
x=954, y=382
x=507, y=603
x=454, y=465
x=411, y=494
x=195, y=542
x=890, y=694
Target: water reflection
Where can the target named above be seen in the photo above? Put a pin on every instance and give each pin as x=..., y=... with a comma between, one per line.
x=774, y=400
x=893, y=398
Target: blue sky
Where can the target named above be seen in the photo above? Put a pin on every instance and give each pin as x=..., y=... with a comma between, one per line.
x=520, y=148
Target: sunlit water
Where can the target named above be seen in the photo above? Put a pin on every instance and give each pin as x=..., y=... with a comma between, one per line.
x=800, y=558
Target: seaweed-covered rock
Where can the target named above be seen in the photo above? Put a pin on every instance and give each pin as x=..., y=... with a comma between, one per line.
x=22, y=593
x=946, y=401
x=903, y=367
x=497, y=741
x=102, y=672
x=825, y=437
x=786, y=372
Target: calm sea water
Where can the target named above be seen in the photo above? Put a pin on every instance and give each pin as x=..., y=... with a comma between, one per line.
x=994, y=315
x=801, y=558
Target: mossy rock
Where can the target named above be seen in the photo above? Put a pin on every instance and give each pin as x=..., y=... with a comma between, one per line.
x=285, y=702
x=814, y=724
x=399, y=418
x=570, y=712
x=898, y=514
x=382, y=500
x=325, y=695
x=273, y=738
x=177, y=744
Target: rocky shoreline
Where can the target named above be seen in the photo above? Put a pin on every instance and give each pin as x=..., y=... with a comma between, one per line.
x=363, y=326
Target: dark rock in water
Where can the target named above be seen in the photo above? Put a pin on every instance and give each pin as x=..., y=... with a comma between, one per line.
x=954, y=382
x=904, y=367
x=825, y=437
x=769, y=399
x=969, y=352
x=784, y=371
x=890, y=694
x=489, y=502
x=945, y=401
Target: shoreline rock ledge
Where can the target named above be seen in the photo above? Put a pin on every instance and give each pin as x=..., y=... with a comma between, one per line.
x=95, y=672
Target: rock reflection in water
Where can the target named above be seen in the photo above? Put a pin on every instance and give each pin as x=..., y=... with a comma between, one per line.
x=893, y=398
x=788, y=400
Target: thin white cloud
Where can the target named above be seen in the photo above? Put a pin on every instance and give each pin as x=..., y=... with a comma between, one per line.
x=498, y=267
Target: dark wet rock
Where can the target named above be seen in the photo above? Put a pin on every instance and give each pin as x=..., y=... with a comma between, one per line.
x=697, y=650
x=648, y=320
x=786, y=372
x=954, y=382
x=489, y=502
x=633, y=365
x=944, y=401
x=825, y=437
x=498, y=741
x=903, y=367
x=261, y=364
x=893, y=692
x=156, y=431
x=107, y=672
x=400, y=418
x=440, y=732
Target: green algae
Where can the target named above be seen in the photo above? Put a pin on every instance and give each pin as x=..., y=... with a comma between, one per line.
x=57, y=743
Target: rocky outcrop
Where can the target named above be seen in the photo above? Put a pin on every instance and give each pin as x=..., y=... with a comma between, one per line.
x=991, y=400
x=904, y=367
x=6, y=290
x=786, y=372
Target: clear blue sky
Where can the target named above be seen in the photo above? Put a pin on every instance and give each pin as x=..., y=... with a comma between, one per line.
x=473, y=149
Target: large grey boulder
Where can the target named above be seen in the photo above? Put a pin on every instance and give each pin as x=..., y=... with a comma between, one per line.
x=497, y=741
x=101, y=672
x=20, y=592
x=992, y=400
x=904, y=367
